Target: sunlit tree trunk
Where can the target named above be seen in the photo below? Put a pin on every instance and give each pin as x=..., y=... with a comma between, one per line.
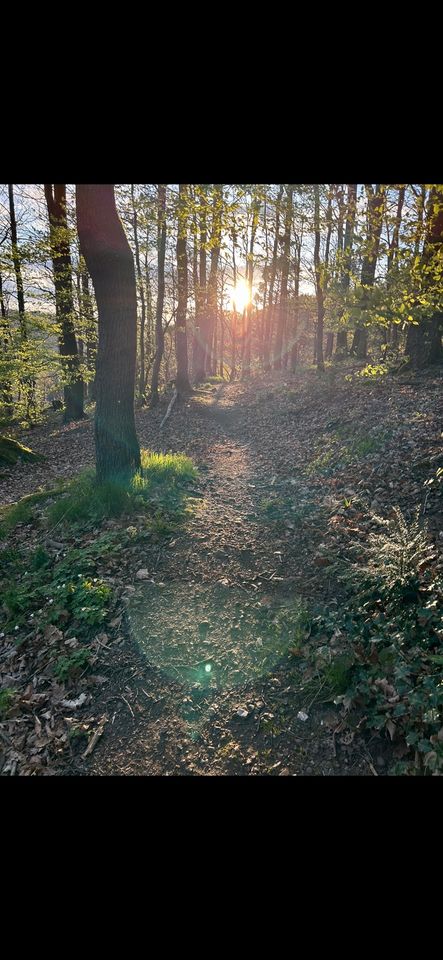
x=17, y=263
x=246, y=372
x=423, y=342
x=161, y=253
x=376, y=202
x=351, y=208
x=181, y=339
x=141, y=291
x=295, y=322
x=392, y=254
x=283, y=308
x=109, y=259
x=5, y=386
x=267, y=346
x=90, y=328
x=319, y=292
x=234, y=308
x=26, y=383
x=73, y=387
x=199, y=351
x=211, y=303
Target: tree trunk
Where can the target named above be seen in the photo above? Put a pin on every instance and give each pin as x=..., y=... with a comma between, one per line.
x=246, y=372
x=141, y=290
x=427, y=346
x=392, y=256
x=109, y=259
x=318, y=282
x=351, y=209
x=199, y=351
x=294, y=347
x=329, y=345
x=90, y=328
x=267, y=342
x=159, y=332
x=17, y=263
x=375, y=211
x=211, y=303
x=181, y=341
x=283, y=310
x=73, y=387
x=5, y=386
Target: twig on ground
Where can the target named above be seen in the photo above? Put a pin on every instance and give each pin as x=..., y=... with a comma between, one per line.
x=168, y=412
x=128, y=705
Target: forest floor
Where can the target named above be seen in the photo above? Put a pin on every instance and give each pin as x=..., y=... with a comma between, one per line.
x=196, y=671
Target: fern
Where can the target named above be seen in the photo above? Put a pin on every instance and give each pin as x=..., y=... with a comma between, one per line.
x=396, y=552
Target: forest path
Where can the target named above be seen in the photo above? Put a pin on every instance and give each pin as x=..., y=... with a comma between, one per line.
x=205, y=682
x=204, y=667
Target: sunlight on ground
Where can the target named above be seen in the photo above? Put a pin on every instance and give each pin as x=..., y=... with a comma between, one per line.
x=212, y=638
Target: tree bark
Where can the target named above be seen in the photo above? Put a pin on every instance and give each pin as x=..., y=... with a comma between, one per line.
x=351, y=208
x=423, y=341
x=211, y=303
x=141, y=290
x=319, y=291
x=246, y=372
x=181, y=341
x=73, y=387
x=161, y=253
x=376, y=202
x=109, y=259
x=199, y=351
x=283, y=310
x=17, y=263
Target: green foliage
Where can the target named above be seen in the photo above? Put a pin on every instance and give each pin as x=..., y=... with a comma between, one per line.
x=86, y=500
x=7, y=697
x=397, y=552
x=346, y=444
x=36, y=590
x=40, y=558
x=23, y=511
x=373, y=371
x=160, y=487
x=385, y=646
x=68, y=668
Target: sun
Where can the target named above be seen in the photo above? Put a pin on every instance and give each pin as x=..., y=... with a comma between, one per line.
x=240, y=296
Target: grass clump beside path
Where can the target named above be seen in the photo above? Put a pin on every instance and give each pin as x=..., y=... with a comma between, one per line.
x=162, y=485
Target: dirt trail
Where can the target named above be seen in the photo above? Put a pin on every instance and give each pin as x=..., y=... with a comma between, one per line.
x=201, y=675
x=200, y=686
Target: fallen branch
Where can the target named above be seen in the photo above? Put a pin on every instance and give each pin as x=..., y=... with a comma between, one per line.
x=96, y=736
x=168, y=412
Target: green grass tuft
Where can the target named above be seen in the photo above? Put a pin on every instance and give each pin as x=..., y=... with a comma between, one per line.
x=160, y=486
x=23, y=511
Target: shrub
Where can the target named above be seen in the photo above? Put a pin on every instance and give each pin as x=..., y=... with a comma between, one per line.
x=387, y=648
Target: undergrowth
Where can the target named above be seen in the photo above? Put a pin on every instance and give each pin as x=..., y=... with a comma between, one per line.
x=382, y=652
x=161, y=487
